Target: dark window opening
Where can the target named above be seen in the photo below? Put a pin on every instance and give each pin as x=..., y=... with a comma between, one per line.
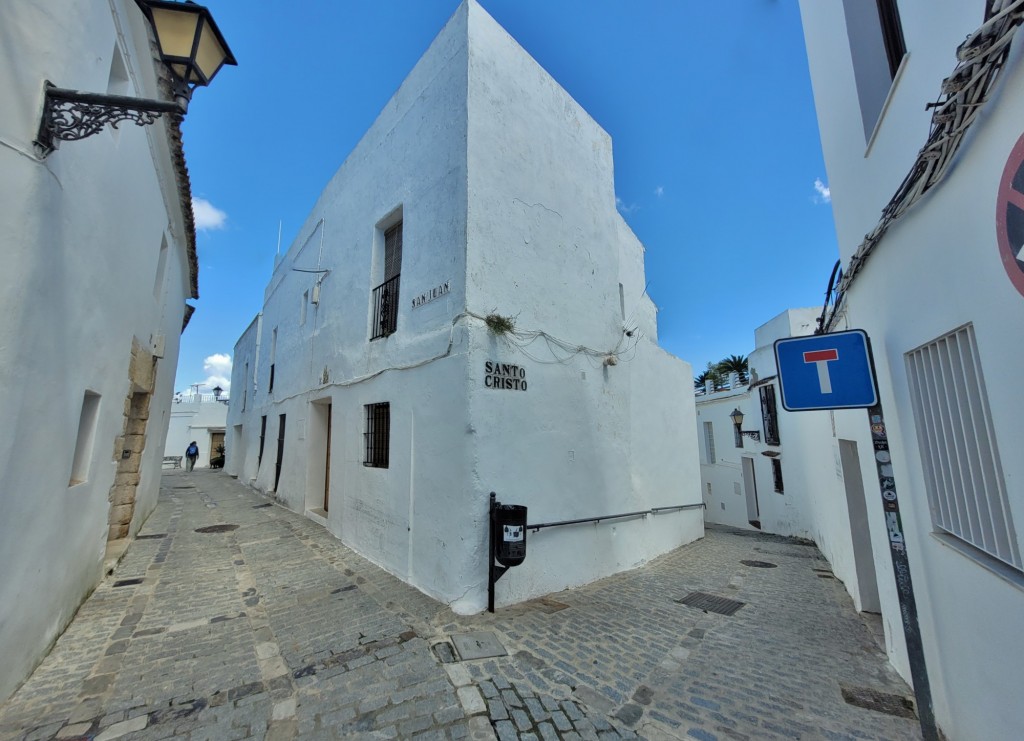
x=263, y=437
x=280, y=451
x=270, y=386
x=777, y=474
x=378, y=435
x=769, y=415
x=385, y=296
x=892, y=34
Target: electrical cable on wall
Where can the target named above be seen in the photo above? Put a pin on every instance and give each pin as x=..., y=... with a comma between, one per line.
x=981, y=57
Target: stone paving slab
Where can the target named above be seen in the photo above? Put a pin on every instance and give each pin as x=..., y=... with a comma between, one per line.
x=273, y=629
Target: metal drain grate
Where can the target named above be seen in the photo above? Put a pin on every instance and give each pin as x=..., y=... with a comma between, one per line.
x=711, y=603
x=216, y=529
x=760, y=564
x=127, y=582
x=880, y=702
x=261, y=506
x=152, y=536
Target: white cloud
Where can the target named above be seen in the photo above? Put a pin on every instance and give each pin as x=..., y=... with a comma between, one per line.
x=624, y=207
x=659, y=191
x=824, y=192
x=218, y=369
x=207, y=215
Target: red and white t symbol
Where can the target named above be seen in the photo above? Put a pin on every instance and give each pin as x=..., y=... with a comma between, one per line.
x=821, y=358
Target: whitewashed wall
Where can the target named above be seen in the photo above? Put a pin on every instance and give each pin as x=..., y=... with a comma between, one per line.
x=79, y=283
x=194, y=421
x=814, y=501
x=936, y=270
x=480, y=149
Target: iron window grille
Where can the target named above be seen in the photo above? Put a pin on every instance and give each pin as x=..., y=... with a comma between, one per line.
x=377, y=437
x=769, y=415
x=385, y=296
x=385, y=308
x=959, y=452
x=777, y=475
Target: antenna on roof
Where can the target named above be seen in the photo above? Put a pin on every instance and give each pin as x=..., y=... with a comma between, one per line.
x=279, y=237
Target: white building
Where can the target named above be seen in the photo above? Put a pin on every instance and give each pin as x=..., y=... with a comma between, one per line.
x=199, y=417
x=790, y=475
x=938, y=288
x=99, y=259
x=481, y=189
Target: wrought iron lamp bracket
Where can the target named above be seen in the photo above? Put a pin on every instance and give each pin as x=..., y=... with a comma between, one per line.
x=70, y=115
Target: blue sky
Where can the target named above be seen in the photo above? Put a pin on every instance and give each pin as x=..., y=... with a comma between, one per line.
x=718, y=166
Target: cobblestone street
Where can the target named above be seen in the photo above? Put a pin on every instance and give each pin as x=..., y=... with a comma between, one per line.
x=268, y=627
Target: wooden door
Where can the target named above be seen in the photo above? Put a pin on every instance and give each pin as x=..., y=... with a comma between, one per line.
x=327, y=464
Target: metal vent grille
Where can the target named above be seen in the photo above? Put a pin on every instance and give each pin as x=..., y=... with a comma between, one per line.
x=711, y=603
x=963, y=473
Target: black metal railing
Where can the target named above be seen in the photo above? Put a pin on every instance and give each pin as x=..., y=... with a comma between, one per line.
x=639, y=513
x=385, y=308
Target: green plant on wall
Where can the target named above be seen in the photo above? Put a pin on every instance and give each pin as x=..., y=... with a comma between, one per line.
x=500, y=324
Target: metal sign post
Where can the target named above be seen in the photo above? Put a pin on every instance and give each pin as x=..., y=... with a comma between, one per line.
x=901, y=571
x=837, y=371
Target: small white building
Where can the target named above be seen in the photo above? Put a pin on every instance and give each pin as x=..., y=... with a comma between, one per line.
x=464, y=312
x=98, y=261
x=198, y=417
x=921, y=114
x=783, y=472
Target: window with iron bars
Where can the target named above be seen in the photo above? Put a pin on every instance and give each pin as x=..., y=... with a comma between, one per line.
x=959, y=452
x=769, y=415
x=377, y=437
x=777, y=475
x=385, y=296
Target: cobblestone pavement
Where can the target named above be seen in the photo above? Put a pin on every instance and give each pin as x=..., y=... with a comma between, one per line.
x=273, y=629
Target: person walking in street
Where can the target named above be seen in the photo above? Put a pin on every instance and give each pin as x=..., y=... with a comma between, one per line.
x=191, y=453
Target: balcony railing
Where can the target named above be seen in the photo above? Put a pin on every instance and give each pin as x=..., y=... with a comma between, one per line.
x=385, y=308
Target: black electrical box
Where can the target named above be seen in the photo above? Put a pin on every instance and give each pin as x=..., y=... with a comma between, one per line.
x=510, y=534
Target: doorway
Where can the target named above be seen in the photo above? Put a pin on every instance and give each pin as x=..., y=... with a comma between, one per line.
x=318, y=457
x=216, y=445
x=863, y=556
x=750, y=488
x=327, y=463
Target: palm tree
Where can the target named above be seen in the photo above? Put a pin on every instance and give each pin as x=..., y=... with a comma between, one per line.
x=734, y=364
x=711, y=373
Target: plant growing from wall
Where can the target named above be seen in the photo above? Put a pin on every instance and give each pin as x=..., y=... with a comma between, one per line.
x=500, y=325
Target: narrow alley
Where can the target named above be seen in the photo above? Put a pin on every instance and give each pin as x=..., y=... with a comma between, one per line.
x=230, y=617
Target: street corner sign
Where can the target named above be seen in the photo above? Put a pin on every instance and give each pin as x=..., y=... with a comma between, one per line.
x=1010, y=216
x=829, y=371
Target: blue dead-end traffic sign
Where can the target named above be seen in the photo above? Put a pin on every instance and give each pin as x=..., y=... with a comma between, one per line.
x=829, y=371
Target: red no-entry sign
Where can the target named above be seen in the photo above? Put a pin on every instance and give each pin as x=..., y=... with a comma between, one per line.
x=1010, y=216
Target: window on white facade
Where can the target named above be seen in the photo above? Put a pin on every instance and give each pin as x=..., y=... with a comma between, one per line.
x=877, y=48
x=959, y=453
x=709, y=442
x=273, y=359
x=86, y=434
x=377, y=437
x=384, y=321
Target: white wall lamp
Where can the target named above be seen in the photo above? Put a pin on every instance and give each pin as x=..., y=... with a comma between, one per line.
x=737, y=420
x=190, y=45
